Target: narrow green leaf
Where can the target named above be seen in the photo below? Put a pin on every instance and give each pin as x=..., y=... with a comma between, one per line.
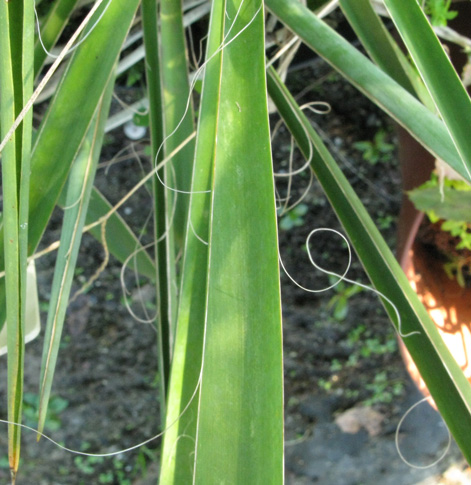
x=154, y=88
x=427, y=128
x=16, y=86
x=441, y=79
x=240, y=418
x=51, y=28
x=172, y=207
x=444, y=378
x=383, y=49
x=178, y=112
x=79, y=189
x=180, y=438
x=376, y=39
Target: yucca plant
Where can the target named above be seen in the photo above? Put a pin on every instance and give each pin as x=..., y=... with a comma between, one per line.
x=219, y=308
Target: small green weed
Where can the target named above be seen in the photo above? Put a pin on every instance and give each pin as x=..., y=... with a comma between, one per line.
x=339, y=302
x=294, y=217
x=377, y=150
x=439, y=12
x=88, y=464
x=368, y=345
x=372, y=346
x=31, y=409
x=336, y=365
x=115, y=471
x=325, y=384
x=355, y=334
x=383, y=389
x=384, y=221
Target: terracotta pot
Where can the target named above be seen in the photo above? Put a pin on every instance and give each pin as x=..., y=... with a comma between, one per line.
x=448, y=304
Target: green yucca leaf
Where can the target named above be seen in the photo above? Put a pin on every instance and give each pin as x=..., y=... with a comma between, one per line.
x=16, y=86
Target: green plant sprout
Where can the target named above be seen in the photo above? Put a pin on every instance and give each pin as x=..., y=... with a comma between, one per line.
x=439, y=12
x=364, y=345
x=377, y=150
x=383, y=389
x=294, y=217
x=117, y=472
x=339, y=302
x=385, y=221
x=31, y=408
x=87, y=464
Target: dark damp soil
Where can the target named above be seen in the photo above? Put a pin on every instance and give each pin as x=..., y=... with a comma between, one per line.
x=345, y=385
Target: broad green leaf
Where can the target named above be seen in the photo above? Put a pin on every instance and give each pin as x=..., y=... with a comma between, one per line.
x=79, y=189
x=240, y=417
x=427, y=128
x=446, y=202
x=444, y=378
x=440, y=77
x=180, y=437
x=16, y=86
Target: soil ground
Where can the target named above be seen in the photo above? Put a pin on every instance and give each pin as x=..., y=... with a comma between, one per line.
x=345, y=385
